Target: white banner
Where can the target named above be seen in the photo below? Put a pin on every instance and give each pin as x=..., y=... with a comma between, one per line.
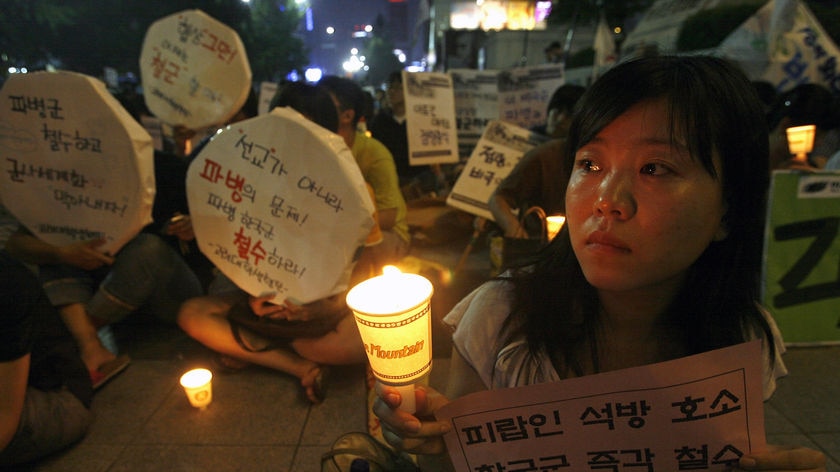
x=194, y=69
x=476, y=104
x=500, y=148
x=77, y=165
x=430, y=115
x=280, y=206
x=524, y=93
x=784, y=44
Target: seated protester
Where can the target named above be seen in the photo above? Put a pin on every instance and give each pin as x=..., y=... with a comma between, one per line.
x=92, y=289
x=298, y=340
x=559, y=111
x=378, y=169
x=389, y=128
x=45, y=391
x=538, y=179
x=667, y=157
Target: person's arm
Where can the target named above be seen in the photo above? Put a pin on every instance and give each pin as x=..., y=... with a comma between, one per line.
x=503, y=214
x=421, y=433
x=24, y=246
x=13, y=381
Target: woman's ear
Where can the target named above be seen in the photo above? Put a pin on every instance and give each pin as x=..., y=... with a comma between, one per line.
x=346, y=116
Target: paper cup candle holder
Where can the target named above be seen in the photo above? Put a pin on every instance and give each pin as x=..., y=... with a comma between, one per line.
x=393, y=314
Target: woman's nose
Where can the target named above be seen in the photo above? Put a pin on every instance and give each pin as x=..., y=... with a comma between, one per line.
x=615, y=197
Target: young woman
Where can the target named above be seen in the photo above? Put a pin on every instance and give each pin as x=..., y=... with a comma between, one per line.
x=658, y=259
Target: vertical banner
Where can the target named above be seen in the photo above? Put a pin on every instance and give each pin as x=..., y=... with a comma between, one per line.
x=430, y=114
x=497, y=152
x=267, y=92
x=476, y=104
x=802, y=256
x=524, y=93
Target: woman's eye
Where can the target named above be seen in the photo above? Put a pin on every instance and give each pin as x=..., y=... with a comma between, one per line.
x=588, y=166
x=654, y=169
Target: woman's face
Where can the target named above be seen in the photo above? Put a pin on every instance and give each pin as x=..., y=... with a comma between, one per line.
x=641, y=211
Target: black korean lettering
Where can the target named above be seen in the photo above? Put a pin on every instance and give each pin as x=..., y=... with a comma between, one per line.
x=824, y=231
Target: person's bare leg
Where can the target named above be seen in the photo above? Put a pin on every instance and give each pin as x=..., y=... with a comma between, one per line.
x=340, y=347
x=84, y=331
x=205, y=320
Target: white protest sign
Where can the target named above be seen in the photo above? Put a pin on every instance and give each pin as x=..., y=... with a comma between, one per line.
x=784, y=44
x=78, y=166
x=524, y=93
x=701, y=412
x=280, y=206
x=194, y=70
x=267, y=92
x=430, y=115
x=476, y=104
x=500, y=148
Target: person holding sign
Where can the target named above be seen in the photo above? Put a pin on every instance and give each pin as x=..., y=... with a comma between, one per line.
x=295, y=339
x=378, y=168
x=658, y=258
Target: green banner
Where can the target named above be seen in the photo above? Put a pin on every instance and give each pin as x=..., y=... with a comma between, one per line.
x=801, y=279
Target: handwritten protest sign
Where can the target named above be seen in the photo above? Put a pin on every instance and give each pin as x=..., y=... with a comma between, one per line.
x=802, y=254
x=194, y=70
x=430, y=114
x=476, y=104
x=524, y=93
x=77, y=165
x=697, y=413
x=280, y=206
x=500, y=148
x=267, y=92
x=784, y=44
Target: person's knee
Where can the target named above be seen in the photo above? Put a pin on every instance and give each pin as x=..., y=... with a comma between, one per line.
x=195, y=313
x=147, y=249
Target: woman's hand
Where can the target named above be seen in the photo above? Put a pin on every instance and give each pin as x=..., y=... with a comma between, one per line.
x=84, y=255
x=782, y=458
x=419, y=433
x=262, y=306
x=181, y=227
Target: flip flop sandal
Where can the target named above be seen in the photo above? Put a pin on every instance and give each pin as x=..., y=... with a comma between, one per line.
x=108, y=371
x=318, y=386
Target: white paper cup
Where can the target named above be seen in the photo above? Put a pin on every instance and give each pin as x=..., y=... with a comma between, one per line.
x=393, y=314
x=198, y=387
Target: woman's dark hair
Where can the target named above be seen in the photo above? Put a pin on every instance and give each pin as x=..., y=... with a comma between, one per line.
x=714, y=109
x=349, y=94
x=311, y=101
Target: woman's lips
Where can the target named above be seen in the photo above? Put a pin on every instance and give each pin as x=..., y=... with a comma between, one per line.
x=604, y=241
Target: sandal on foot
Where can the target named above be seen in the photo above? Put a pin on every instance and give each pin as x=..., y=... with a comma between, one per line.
x=316, y=392
x=108, y=371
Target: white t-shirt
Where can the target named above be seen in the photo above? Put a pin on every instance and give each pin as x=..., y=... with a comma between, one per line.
x=477, y=321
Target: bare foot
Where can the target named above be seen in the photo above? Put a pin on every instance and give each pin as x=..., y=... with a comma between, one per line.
x=314, y=383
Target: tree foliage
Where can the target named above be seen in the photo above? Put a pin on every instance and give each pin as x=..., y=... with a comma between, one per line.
x=87, y=35
x=273, y=54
